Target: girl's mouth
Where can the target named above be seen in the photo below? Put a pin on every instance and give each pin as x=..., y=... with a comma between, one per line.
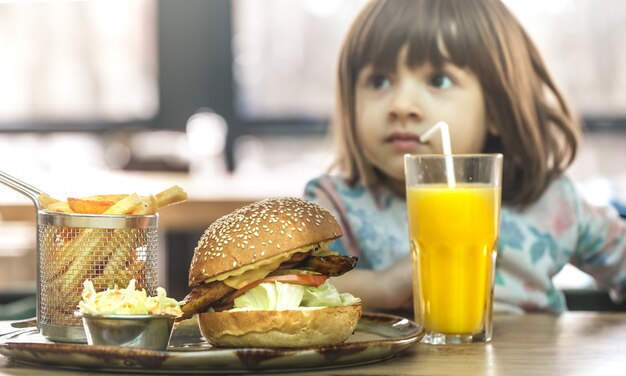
x=404, y=142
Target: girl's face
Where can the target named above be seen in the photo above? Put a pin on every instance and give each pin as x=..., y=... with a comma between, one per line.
x=394, y=108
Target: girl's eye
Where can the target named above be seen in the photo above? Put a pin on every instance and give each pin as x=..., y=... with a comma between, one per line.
x=441, y=81
x=378, y=81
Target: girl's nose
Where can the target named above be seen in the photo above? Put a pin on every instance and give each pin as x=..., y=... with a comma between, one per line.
x=405, y=107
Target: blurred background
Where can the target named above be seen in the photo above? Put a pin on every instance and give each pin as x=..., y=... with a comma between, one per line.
x=231, y=99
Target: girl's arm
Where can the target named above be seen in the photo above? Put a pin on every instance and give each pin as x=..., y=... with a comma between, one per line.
x=380, y=289
x=601, y=246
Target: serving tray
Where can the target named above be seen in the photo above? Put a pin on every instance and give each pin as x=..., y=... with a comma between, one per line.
x=377, y=337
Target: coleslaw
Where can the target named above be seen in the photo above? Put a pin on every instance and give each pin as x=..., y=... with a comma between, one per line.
x=126, y=301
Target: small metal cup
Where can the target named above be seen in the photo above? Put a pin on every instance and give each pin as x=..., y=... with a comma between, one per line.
x=146, y=331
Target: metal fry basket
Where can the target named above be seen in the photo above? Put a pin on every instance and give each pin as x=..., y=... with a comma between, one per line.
x=107, y=249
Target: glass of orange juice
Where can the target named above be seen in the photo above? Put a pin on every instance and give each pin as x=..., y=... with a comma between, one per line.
x=453, y=229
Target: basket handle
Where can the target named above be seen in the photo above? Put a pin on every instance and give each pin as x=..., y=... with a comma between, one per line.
x=22, y=187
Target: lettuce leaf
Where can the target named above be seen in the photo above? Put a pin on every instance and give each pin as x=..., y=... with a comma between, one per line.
x=271, y=296
x=326, y=295
x=284, y=296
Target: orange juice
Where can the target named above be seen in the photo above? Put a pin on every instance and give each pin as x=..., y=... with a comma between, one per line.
x=453, y=231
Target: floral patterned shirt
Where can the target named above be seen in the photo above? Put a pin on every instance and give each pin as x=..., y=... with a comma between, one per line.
x=533, y=246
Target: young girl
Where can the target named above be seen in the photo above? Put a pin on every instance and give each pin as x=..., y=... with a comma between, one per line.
x=408, y=64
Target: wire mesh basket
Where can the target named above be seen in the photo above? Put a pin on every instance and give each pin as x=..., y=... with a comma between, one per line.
x=107, y=249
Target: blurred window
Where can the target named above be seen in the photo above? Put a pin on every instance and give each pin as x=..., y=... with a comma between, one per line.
x=582, y=42
x=285, y=53
x=78, y=61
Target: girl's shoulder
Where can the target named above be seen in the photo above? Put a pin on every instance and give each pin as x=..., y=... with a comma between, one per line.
x=562, y=187
x=339, y=190
x=561, y=208
x=559, y=195
x=333, y=185
x=558, y=203
x=326, y=179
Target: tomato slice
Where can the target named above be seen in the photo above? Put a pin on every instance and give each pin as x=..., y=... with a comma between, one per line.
x=296, y=279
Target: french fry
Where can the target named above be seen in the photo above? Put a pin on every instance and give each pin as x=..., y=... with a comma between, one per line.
x=122, y=266
x=45, y=200
x=89, y=248
x=61, y=254
x=126, y=205
x=170, y=196
x=67, y=235
x=121, y=279
x=115, y=203
x=148, y=206
x=88, y=206
x=61, y=206
x=137, y=270
x=116, y=263
x=58, y=255
x=114, y=197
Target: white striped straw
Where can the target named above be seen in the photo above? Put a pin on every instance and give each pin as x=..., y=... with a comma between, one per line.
x=447, y=149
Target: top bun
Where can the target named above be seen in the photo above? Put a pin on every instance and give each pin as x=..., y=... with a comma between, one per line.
x=259, y=231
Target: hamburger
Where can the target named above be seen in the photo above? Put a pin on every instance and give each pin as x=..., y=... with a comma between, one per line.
x=260, y=277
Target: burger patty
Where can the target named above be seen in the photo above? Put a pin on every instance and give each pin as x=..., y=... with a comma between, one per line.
x=295, y=259
x=332, y=265
x=204, y=296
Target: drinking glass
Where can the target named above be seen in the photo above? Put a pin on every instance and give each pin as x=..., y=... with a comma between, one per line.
x=453, y=230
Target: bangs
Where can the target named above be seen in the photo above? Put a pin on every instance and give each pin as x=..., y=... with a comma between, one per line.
x=435, y=32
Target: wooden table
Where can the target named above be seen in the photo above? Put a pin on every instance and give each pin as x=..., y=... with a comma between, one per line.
x=574, y=343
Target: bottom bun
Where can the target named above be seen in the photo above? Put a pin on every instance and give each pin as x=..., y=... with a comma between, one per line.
x=291, y=328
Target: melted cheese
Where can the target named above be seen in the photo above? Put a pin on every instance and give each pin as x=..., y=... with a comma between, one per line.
x=249, y=273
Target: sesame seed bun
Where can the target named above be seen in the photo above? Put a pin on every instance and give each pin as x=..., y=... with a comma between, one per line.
x=289, y=328
x=260, y=231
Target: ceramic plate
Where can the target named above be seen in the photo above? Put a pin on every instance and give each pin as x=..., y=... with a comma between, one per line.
x=377, y=337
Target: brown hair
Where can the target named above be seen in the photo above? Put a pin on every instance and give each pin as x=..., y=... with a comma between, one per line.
x=536, y=132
